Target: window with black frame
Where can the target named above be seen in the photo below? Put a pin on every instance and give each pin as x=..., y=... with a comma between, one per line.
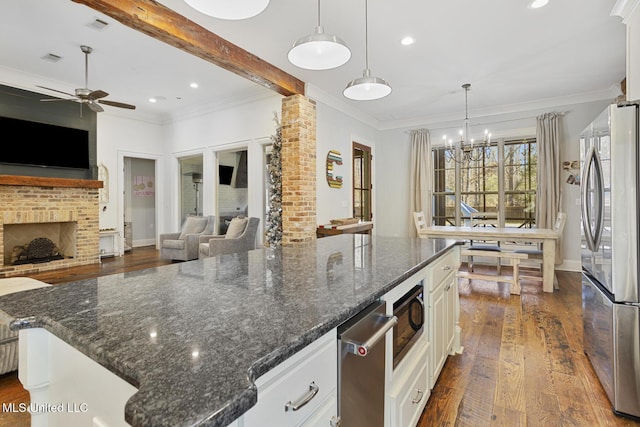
x=482, y=185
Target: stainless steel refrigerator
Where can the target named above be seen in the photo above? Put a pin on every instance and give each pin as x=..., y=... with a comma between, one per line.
x=609, y=246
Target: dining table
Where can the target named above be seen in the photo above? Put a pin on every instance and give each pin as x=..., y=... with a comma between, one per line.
x=545, y=236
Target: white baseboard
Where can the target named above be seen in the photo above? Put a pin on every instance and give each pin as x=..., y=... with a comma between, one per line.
x=144, y=242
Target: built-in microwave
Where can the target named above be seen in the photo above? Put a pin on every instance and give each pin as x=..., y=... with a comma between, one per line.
x=409, y=310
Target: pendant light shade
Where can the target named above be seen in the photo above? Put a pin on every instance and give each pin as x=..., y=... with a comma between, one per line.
x=367, y=87
x=319, y=51
x=229, y=9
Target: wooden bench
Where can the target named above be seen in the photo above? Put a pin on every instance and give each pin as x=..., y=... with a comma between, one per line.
x=514, y=259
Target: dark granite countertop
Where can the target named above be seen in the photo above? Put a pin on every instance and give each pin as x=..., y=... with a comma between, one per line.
x=243, y=314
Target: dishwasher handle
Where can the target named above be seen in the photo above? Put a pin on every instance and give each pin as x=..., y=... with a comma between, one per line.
x=362, y=348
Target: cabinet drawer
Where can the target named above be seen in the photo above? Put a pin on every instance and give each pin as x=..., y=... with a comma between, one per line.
x=444, y=266
x=413, y=402
x=410, y=390
x=324, y=414
x=293, y=379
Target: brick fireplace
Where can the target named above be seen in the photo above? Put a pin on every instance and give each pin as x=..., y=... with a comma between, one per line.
x=63, y=210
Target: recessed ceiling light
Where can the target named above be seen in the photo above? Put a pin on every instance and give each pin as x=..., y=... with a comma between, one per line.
x=408, y=40
x=152, y=100
x=537, y=4
x=194, y=85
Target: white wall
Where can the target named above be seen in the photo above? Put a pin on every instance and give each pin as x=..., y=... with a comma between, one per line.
x=336, y=131
x=394, y=146
x=247, y=125
x=118, y=135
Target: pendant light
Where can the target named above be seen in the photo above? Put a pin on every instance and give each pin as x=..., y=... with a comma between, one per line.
x=319, y=51
x=229, y=9
x=367, y=87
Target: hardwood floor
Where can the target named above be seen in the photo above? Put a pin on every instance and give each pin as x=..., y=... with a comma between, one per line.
x=522, y=363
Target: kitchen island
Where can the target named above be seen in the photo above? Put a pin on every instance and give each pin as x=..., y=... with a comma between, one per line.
x=193, y=337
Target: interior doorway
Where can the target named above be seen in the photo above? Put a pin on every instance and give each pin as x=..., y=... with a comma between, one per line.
x=232, y=189
x=191, y=199
x=139, y=204
x=362, y=182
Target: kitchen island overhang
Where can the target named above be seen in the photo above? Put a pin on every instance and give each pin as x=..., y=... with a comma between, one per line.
x=192, y=337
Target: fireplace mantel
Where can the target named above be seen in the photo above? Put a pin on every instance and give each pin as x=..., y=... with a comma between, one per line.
x=39, y=181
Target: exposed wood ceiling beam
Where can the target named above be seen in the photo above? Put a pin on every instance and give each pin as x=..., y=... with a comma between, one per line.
x=162, y=23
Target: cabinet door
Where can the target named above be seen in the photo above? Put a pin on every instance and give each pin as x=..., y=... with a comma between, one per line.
x=451, y=295
x=437, y=312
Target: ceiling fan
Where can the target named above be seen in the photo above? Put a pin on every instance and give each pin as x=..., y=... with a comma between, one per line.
x=84, y=95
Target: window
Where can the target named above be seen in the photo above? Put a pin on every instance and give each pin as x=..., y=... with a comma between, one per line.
x=520, y=183
x=362, y=182
x=483, y=186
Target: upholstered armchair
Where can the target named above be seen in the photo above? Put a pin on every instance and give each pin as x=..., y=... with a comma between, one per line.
x=183, y=245
x=240, y=237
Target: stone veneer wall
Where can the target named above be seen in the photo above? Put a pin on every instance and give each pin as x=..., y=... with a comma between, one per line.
x=298, y=169
x=23, y=204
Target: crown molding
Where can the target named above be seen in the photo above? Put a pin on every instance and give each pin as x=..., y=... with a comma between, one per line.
x=624, y=9
x=319, y=95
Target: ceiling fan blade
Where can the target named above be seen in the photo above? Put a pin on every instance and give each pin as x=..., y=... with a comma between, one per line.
x=56, y=90
x=95, y=107
x=57, y=99
x=117, y=104
x=97, y=94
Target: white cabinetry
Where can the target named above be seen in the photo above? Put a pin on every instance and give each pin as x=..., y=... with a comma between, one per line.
x=410, y=387
x=49, y=369
x=442, y=307
x=308, y=376
x=409, y=384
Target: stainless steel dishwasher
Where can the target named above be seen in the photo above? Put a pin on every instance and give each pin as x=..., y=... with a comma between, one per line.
x=361, y=367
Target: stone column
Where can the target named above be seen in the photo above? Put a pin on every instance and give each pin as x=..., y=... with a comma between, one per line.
x=298, y=169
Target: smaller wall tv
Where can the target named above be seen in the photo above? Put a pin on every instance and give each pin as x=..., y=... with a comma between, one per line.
x=39, y=144
x=225, y=173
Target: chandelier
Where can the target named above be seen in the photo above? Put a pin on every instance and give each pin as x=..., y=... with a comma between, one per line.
x=466, y=149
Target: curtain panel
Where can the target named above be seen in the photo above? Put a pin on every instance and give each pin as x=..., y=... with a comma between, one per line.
x=421, y=185
x=549, y=192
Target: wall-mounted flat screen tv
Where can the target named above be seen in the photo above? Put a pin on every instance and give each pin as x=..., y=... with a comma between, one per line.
x=225, y=173
x=39, y=144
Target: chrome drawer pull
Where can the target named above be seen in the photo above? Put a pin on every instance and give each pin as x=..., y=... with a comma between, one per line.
x=446, y=268
x=418, y=397
x=294, y=406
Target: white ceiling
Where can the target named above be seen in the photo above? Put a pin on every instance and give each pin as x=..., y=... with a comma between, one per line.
x=514, y=57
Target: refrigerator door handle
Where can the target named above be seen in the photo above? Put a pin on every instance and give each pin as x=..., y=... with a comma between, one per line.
x=600, y=198
x=586, y=213
x=592, y=171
